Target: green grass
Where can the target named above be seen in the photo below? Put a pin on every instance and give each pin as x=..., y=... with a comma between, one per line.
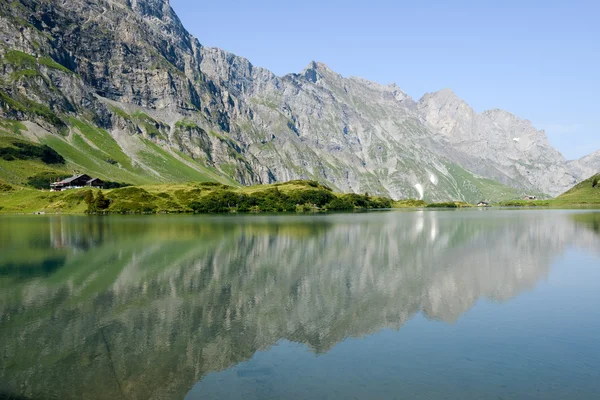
x=94, y=151
x=10, y=127
x=160, y=198
x=186, y=124
x=583, y=194
x=20, y=59
x=525, y=203
x=450, y=204
x=107, y=146
x=84, y=158
x=476, y=188
x=409, y=203
x=50, y=63
x=151, y=126
x=119, y=112
x=18, y=170
x=5, y=187
x=24, y=200
x=167, y=165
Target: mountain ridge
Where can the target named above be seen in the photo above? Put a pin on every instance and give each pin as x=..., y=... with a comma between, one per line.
x=137, y=74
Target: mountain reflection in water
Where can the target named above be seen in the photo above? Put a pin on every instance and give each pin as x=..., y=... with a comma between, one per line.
x=144, y=307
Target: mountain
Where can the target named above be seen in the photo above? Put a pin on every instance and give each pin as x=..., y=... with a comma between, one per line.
x=121, y=90
x=587, y=166
x=496, y=143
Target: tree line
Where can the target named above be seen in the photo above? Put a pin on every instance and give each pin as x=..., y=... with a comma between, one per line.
x=275, y=200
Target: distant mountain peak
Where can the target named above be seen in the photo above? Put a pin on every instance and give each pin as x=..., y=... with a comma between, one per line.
x=445, y=95
x=315, y=70
x=318, y=66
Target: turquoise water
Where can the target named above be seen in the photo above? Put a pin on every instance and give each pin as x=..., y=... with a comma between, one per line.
x=434, y=305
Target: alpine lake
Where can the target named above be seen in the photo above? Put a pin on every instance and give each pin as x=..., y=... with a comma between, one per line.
x=461, y=304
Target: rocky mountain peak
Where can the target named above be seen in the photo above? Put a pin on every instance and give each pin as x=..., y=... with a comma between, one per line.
x=445, y=97
x=316, y=70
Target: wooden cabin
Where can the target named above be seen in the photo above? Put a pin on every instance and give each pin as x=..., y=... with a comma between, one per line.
x=95, y=183
x=77, y=182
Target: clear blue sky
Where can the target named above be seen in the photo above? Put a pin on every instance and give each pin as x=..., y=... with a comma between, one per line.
x=537, y=59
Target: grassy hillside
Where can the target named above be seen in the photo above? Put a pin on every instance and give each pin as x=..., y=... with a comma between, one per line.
x=476, y=189
x=94, y=151
x=192, y=197
x=583, y=194
x=22, y=162
x=138, y=160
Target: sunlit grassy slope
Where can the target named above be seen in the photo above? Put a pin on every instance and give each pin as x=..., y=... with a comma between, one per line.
x=584, y=194
x=156, y=198
x=91, y=150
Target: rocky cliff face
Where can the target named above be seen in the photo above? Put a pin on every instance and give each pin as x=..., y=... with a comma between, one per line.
x=497, y=144
x=130, y=68
x=587, y=166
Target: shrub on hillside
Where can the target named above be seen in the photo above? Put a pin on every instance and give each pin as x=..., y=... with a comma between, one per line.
x=21, y=150
x=132, y=200
x=275, y=200
x=115, y=185
x=215, y=185
x=442, y=205
x=340, y=204
x=95, y=204
x=219, y=202
x=131, y=193
x=43, y=180
x=5, y=187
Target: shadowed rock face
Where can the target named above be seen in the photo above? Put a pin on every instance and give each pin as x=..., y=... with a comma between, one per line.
x=146, y=309
x=256, y=127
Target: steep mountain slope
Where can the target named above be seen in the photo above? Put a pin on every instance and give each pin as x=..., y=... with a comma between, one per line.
x=496, y=143
x=587, y=166
x=69, y=67
x=121, y=90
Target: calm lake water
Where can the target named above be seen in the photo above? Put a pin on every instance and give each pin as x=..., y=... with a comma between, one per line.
x=386, y=305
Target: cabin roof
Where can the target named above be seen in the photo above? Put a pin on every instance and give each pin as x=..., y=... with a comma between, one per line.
x=69, y=180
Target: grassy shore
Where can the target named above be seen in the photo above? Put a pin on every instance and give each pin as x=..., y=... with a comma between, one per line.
x=209, y=197
x=205, y=197
x=583, y=195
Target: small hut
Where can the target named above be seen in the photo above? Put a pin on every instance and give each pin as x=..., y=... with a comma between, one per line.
x=74, y=182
